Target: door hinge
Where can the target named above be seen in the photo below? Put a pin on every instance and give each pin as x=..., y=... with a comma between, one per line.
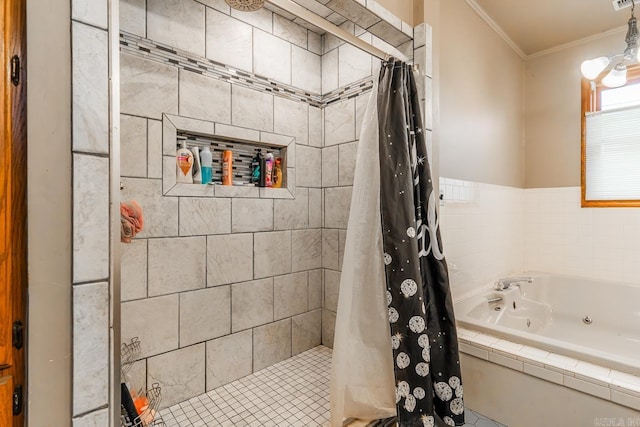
x=17, y=400
x=18, y=334
x=15, y=70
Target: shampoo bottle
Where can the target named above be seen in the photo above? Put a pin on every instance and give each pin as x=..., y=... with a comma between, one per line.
x=263, y=169
x=268, y=173
x=227, y=167
x=206, y=163
x=277, y=174
x=197, y=169
x=255, y=168
x=184, y=165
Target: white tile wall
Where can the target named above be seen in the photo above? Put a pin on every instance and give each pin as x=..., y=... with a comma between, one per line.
x=185, y=379
x=204, y=98
x=229, y=41
x=178, y=23
x=482, y=232
x=277, y=63
x=90, y=218
x=561, y=237
x=264, y=288
x=90, y=89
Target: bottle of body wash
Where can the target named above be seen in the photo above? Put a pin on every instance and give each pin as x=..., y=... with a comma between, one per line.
x=268, y=173
x=277, y=174
x=227, y=167
x=206, y=160
x=184, y=165
x=255, y=168
x=197, y=169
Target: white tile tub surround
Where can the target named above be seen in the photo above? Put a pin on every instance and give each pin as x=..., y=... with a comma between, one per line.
x=561, y=237
x=229, y=41
x=482, y=232
x=599, y=381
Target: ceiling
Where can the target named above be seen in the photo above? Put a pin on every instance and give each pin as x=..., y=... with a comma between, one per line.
x=538, y=25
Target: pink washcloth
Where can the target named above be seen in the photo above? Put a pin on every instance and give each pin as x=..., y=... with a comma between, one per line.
x=131, y=220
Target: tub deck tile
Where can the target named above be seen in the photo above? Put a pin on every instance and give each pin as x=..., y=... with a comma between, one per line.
x=600, y=381
x=625, y=399
x=545, y=374
x=587, y=387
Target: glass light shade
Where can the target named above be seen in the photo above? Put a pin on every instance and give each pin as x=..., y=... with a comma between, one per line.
x=617, y=77
x=592, y=68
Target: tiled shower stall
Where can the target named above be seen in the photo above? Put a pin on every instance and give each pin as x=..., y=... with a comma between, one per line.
x=224, y=282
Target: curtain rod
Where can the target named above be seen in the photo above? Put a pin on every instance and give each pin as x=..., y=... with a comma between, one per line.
x=312, y=18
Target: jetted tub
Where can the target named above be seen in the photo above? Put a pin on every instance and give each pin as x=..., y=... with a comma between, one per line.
x=598, y=322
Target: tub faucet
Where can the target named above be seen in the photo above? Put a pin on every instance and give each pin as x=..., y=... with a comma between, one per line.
x=507, y=282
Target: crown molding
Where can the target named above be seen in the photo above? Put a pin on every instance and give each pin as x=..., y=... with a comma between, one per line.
x=577, y=42
x=495, y=27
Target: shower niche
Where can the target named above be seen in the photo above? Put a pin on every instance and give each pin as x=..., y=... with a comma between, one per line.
x=244, y=144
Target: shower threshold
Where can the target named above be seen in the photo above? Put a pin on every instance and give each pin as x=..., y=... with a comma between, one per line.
x=292, y=393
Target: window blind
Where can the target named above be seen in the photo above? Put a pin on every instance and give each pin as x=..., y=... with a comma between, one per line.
x=613, y=154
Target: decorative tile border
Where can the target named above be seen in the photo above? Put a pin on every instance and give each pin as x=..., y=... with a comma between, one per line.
x=608, y=384
x=167, y=55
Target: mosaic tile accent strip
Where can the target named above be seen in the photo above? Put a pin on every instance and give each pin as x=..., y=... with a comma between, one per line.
x=167, y=55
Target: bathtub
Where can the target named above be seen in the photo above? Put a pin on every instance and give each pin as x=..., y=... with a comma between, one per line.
x=598, y=322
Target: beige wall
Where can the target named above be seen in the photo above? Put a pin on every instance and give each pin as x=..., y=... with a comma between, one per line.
x=403, y=9
x=552, y=120
x=481, y=100
x=49, y=199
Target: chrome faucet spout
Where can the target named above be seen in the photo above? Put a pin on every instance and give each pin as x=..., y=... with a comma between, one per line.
x=507, y=282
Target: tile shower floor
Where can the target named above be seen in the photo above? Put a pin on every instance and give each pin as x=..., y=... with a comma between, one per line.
x=292, y=393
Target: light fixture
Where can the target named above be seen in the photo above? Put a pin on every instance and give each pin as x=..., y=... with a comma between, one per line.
x=617, y=76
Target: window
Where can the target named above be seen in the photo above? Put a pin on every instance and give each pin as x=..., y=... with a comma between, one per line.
x=611, y=143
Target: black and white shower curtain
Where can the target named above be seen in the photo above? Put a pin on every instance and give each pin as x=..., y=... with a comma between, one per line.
x=395, y=277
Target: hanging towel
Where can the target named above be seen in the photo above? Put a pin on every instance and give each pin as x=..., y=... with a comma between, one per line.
x=131, y=220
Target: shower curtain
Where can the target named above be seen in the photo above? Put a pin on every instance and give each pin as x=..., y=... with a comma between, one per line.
x=395, y=345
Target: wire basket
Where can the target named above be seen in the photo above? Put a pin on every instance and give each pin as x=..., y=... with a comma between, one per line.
x=150, y=416
x=129, y=352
